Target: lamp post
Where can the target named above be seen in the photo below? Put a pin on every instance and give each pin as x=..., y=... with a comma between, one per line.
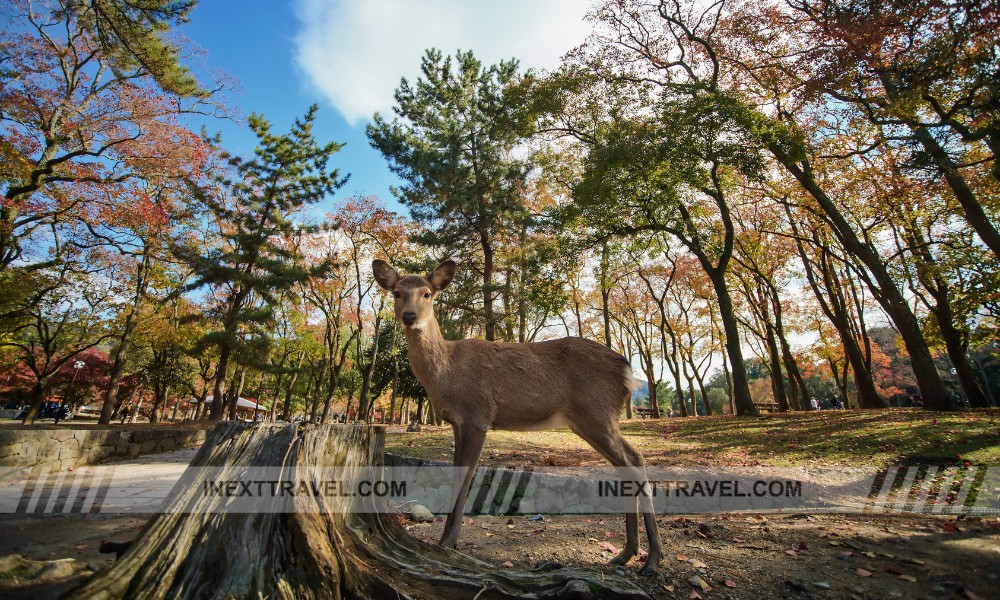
x=76, y=369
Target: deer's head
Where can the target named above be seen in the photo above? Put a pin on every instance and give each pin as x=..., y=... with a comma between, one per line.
x=414, y=294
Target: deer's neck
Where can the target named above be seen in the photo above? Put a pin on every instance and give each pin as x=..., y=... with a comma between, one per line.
x=428, y=353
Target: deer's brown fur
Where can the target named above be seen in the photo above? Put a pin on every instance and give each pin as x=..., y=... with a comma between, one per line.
x=476, y=385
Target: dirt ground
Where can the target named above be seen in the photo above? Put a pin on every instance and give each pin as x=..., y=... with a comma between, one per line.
x=757, y=556
x=736, y=556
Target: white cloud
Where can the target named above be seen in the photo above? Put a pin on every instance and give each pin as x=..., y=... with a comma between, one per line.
x=354, y=52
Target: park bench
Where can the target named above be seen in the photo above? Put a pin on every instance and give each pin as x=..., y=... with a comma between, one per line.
x=766, y=406
x=644, y=413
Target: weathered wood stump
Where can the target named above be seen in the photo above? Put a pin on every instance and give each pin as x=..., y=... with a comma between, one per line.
x=318, y=550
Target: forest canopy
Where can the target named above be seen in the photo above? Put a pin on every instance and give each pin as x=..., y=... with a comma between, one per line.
x=759, y=204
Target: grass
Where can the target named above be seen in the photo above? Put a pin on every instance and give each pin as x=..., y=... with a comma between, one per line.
x=858, y=438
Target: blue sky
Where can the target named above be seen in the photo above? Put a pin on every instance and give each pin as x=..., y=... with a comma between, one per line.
x=347, y=56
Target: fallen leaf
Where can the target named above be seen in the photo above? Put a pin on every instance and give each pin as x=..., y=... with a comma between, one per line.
x=700, y=583
x=682, y=557
x=791, y=552
x=972, y=595
x=863, y=573
x=846, y=554
x=697, y=564
x=869, y=554
x=909, y=578
x=729, y=583
x=507, y=564
x=669, y=588
x=950, y=527
x=609, y=547
x=694, y=595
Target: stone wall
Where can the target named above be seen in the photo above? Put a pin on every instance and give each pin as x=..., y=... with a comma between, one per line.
x=63, y=448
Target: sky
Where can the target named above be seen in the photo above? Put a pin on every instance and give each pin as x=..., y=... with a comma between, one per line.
x=348, y=56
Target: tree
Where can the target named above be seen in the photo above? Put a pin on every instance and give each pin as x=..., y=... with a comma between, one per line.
x=452, y=144
x=64, y=320
x=924, y=74
x=252, y=208
x=673, y=174
x=80, y=104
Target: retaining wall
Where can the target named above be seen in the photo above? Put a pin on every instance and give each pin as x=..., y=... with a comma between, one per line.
x=63, y=448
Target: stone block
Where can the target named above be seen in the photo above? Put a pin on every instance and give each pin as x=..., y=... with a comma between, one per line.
x=168, y=444
x=29, y=450
x=10, y=449
x=70, y=449
x=133, y=450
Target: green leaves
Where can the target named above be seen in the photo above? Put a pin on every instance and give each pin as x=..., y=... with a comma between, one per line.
x=256, y=257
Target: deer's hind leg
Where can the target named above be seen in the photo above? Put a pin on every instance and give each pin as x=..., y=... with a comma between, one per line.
x=609, y=443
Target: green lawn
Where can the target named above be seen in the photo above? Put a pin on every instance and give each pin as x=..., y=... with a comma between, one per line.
x=859, y=438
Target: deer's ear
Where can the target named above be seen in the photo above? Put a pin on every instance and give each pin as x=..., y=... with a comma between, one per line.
x=385, y=275
x=443, y=275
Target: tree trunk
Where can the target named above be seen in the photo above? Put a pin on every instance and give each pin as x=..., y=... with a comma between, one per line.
x=885, y=288
x=324, y=547
x=37, y=397
x=834, y=306
x=777, y=379
x=488, y=317
x=235, y=391
x=741, y=386
x=218, y=402
x=956, y=348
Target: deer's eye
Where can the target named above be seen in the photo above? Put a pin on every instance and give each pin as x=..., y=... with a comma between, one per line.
x=397, y=294
x=427, y=294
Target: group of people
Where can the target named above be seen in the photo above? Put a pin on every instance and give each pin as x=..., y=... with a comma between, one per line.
x=836, y=401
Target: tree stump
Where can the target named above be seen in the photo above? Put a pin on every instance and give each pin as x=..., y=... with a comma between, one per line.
x=318, y=550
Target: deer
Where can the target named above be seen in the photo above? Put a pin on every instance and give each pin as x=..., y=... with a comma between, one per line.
x=476, y=385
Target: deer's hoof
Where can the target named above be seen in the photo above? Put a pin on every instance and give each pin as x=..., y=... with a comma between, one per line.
x=623, y=557
x=648, y=571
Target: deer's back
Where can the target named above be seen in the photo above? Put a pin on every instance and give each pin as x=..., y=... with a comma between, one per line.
x=535, y=385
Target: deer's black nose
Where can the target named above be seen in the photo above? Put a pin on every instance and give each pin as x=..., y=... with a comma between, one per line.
x=409, y=318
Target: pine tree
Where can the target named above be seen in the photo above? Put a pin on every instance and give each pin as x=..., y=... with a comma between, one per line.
x=254, y=211
x=451, y=144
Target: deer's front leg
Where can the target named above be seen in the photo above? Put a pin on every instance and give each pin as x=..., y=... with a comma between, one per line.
x=468, y=446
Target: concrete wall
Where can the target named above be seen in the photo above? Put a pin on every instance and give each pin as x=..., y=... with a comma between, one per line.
x=62, y=448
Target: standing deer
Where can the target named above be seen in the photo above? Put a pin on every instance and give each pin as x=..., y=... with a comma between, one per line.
x=476, y=385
